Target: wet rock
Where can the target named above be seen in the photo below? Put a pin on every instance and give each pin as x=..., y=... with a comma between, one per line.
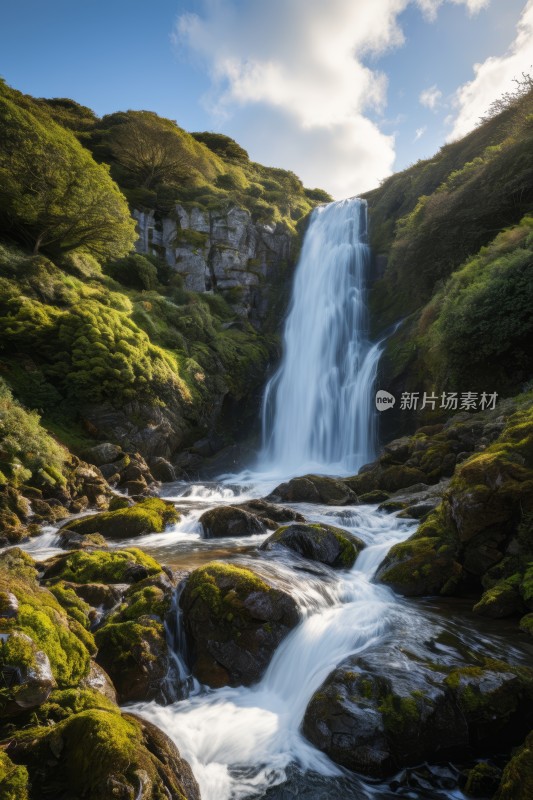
x=116, y=566
x=99, y=681
x=318, y=542
x=149, y=516
x=396, y=706
x=230, y=521
x=502, y=600
x=270, y=513
x=234, y=622
x=162, y=470
x=313, y=489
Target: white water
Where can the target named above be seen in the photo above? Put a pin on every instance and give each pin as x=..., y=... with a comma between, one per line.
x=240, y=741
x=318, y=407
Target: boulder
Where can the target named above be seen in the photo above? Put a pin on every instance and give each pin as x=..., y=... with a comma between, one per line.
x=117, y=566
x=230, y=521
x=517, y=778
x=100, y=753
x=132, y=645
x=397, y=706
x=318, y=542
x=103, y=453
x=149, y=516
x=234, y=621
x=314, y=489
x=162, y=470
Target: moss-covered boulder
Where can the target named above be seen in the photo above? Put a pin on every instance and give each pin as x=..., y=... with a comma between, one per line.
x=149, y=516
x=426, y=563
x=517, y=778
x=482, y=780
x=225, y=521
x=485, y=520
x=271, y=513
x=318, y=542
x=117, y=566
x=44, y=643
x=98, y=752
x=314, y=489
x=234, y=622
x=14, y=780
x=399, y=705
x=132, y=645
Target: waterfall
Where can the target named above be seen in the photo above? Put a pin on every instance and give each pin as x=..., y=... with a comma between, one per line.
x=318, y=409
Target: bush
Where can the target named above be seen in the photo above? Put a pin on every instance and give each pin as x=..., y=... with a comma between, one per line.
x=134, y=271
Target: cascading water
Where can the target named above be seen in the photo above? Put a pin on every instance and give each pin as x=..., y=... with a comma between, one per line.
x=318, y=407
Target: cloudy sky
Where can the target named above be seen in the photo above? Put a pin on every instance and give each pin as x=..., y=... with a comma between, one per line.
x=343, y=92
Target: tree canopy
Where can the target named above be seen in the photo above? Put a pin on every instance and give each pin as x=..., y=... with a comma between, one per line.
x=53, y=196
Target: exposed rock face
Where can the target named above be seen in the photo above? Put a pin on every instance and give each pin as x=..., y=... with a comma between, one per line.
x=332, y=546
x=400, y=705
x=219, y=250
x=234, y=622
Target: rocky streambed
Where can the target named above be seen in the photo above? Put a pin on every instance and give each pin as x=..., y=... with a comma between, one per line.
x=241, y=638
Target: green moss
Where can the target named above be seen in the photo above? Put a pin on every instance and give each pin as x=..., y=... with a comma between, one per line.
x=146, y=600
x=66, y=643
x=123, y=638
x=204, y=583
x=517, y=778
x=148, y=516
x=100, y=567
x=399, y=714
x=14, y=780
x=75, y=607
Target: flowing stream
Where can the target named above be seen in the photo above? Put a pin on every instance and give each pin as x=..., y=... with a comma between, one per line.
x=245, y=743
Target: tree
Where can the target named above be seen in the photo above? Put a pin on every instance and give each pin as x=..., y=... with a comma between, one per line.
x=53, y=195
x=150, y=149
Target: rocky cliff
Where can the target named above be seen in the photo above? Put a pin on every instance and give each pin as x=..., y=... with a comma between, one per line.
x=220, y=250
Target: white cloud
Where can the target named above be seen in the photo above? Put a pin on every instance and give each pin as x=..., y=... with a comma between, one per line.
x=430, y=7
x=300, y=64
x=430, y=98
x=419, y=133
x=494, y=77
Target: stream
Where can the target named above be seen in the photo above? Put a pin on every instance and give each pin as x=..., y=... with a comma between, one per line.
x=245, y=742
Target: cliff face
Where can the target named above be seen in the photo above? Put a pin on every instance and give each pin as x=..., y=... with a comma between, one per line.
x=221, y=251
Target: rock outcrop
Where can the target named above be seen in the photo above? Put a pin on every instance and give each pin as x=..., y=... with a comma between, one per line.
x=222, y=250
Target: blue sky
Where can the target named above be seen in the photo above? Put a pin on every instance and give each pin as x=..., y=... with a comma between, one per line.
x=340, y=91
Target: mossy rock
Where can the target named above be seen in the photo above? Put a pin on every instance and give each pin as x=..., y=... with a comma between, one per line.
x=517, y=778
x=403, y=703
x=132, y=644
x=230, y=521
x=526, y=624
x=482, y=780
x=502, y=600
x=318, y=542
x=118, y=566
x=426, y=563
x=149, y=516
x=234, y=622
x=47, y=643
x=103, y=754
x=376, y=496
x=14, y=780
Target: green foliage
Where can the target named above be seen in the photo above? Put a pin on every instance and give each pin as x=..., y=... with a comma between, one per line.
x=14, y=780
x=484, y=315
x=433, y=216
x=27, y=452
x=222, y=145
x=134, y=271
x=53, y=196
